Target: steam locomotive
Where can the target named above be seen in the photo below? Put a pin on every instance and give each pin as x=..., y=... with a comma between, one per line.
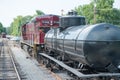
x=95, y=46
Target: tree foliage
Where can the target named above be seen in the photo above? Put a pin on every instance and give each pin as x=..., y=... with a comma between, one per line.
x=15, y=26
x=2, y=29
x=39, y=12
x=102, y=12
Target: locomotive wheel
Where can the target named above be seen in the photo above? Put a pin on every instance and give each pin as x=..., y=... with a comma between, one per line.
x=40, y=59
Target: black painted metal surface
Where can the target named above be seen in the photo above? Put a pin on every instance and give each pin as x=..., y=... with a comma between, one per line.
x=96, y=45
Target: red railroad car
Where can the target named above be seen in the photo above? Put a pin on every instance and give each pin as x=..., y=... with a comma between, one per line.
x=33, y=32
x=3, y=35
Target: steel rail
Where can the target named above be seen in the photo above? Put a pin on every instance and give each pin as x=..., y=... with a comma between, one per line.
x=14, y=65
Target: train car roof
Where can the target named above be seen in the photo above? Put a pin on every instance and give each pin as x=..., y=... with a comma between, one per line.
x=46, y=16
x=34, y=19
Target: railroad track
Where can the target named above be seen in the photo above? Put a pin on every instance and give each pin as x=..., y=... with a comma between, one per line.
x=8, y=69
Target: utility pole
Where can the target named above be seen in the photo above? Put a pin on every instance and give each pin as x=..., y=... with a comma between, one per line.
x=94, y=11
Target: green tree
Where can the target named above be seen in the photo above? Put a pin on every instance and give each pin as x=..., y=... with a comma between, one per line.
x=87, y=11
x=26, y=19
x=15, y=27
x=103, y=12
x=8, y=30
x=39, y=12
x=104, y=4
x=2, y=29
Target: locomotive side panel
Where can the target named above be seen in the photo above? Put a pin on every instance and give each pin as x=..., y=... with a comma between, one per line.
x=23, y=32
x=35, y=32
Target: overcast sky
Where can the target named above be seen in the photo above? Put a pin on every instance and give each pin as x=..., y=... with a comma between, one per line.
x=10, y=9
